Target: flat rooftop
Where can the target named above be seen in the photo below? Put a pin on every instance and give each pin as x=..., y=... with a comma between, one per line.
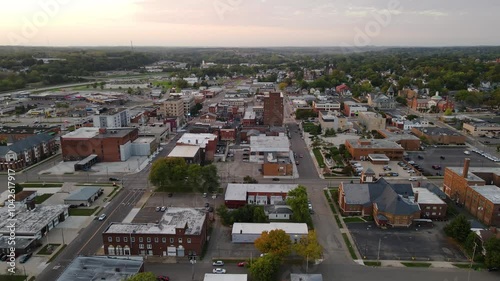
x=225, y=277
x=398, y=135
x=172, y=218
x=238, y=191
x=197, y=139
x=82, y=133
x=83, y=194
x=490, y=192
x=101, y=268
x=249, y=115
x=436, y=131
x=374, y=143
x=30, y=222
x=21, y=242
x=263, y=143
x=258, y=228
x=182, y=151
x=144, y=140
x=471, y=175
x=425, y=196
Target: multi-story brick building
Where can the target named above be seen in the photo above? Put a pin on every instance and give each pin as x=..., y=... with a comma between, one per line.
x=25, y=152
x=206, y=142
x=352, y=108
x=360, y=149
x=477, y=189
x=431, y=206
x=108, y=145
x=180, y=232
x=273, y=109
x=408, y=141
x=13, y=134
x=436, y=135
x=325, y=106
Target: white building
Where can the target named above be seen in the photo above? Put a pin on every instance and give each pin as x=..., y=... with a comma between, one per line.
x=117, y=118
x=262, y=144
x=225, y=277
x=249, y=232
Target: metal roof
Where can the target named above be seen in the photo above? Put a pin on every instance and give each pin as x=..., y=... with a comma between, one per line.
x=83, y=194
x=101, y=268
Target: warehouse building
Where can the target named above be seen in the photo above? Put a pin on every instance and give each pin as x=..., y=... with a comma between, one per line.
x=249, y=232
x=238, y=195
x=102, y=268
x=84, y=197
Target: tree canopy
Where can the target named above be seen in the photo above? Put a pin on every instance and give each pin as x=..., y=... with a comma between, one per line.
x=276, y=242
x=174, y=174
x=265, y=268
x=308, y=246
x=297, y=200
x=458, y=228
x=492, y=257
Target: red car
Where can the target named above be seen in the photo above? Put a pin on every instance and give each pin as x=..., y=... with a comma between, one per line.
x=162, y=278
x=436, y=167
x=242, y=264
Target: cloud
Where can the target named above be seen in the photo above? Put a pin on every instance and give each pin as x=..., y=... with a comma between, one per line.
x=431, y=13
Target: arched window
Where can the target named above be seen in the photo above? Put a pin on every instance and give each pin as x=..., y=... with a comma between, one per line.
x=119, y=251
x=111, y=250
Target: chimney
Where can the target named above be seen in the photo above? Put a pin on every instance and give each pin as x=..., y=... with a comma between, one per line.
x=466, y=167
x=416, y=197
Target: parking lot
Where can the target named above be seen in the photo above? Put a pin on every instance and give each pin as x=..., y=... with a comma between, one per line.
x=230, y=171
x=404, y=244
x=453, y=157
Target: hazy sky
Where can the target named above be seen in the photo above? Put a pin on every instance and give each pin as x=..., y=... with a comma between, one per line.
x=250, y=22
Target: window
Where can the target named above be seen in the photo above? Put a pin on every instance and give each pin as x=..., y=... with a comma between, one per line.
x=427, y=207
x=156, y=239
x=188, y=240
x=125, y=239
x=164, y=240
x=171, y=240
x=110, y=239
x=149, y=246
x=149, y=239
x=141, y=246
x=180, y=240
x=434, y=208
x=132, y=239
x=117, y=239
x=140, y=239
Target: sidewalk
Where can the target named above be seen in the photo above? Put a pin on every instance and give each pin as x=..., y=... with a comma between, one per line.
x=398, y=263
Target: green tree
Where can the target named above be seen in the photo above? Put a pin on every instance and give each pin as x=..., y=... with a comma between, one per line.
x=276, y=242
x=308, y=246
x=18, y=188
x=142, y=276
x=458, y=228
x=210, y=178
x=448, y=112
x=265, y=268
x=249, y=179
x=169, y=173
x=259, y=216
x=297, y=200
x=224, y=214
x=194, y=177
x=492, y=258
x=471, y=242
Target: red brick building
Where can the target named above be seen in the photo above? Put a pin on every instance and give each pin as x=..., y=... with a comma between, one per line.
x=105, y=143
x=227, y=134
x=360, y=149
x=27, y=151
x=477, y=189
x=206, y=142
x=273, y=109
x=180, y=232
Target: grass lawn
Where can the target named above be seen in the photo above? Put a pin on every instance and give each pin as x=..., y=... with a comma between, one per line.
x=416, y=264
x=40, y=184
x=112, y=194
x=44, y=250
x=333, y=211
x=349, y=246
x=319, y=157
x=337, y=219
x=82, y=212
x=58, y=252
x=10, y=277
x=353, y=219
x=372, y=263
x=41, y=198
x=475, y=266
x=327, y=195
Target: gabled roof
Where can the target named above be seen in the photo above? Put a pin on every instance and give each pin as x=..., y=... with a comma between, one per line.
x=26, y=143
x=391, y=198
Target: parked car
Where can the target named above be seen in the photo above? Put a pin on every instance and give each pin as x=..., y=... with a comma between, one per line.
x=218, y=263
x=113, y=179
x=412, y=179
x=242, y=264
x=163, y=209
x=205, y=195
x=436, y=167
x=207, y=205
x=276, y=179
x=382, y=174
x=467, y=152
x=219, y=271
x=442, y=157
x=4, y=258
x=297, y=162
x=170, y=194
x=301, y=155
x=393, y=174
x=162, y=278
x=420, y=157
x=158, y=209
x=25, y=258
x=102, y=217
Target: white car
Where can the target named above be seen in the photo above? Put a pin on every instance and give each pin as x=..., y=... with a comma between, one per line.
x=412, y=179
x=467, y=152
x=102, y=217
x=219, y=271
x=218, y=263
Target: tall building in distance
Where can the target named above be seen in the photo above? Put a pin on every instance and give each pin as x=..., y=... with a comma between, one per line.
x=273, y=109
x=114, y=118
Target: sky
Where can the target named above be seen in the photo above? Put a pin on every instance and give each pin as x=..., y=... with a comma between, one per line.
x=250, y=23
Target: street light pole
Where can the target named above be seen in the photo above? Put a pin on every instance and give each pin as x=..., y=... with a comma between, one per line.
x=378, y=252
x=471, y=261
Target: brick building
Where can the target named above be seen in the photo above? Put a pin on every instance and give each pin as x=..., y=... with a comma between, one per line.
x=389, y=204
x=431, y=206
x=206, y=142
x=360, y=149
x=25, y=152
x=106, y=144
x=180, y=232
x=172, y=107
x=477, y=189
x=442, y=136
x=408, y=141
x=13, y=134
x=273, y=109
x=352, y=108
x=481, y=129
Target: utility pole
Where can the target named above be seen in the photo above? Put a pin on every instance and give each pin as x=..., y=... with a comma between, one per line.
x=471, y=261
x=378, y=252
